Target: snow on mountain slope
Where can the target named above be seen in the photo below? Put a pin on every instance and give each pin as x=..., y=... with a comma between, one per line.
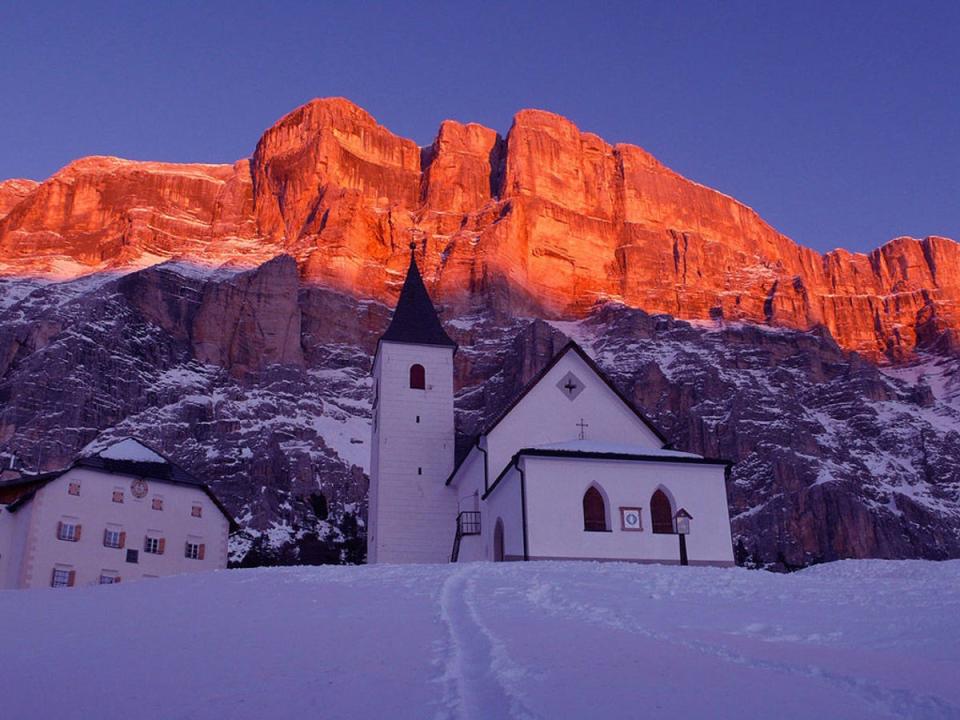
x=260, y=385
x=852, y=639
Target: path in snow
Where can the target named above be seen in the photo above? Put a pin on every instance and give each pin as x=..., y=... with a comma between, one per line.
x=482, y=680
x=867, y=639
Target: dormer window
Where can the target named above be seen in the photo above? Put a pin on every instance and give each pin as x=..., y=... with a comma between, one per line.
x=418, y=377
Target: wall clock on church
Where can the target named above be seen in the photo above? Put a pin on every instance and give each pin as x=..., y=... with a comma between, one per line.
x=630, y=519
x=139, y=488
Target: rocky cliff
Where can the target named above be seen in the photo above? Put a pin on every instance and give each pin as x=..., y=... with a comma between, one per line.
x=227, y=314
x=549, y=220
x=261, y=385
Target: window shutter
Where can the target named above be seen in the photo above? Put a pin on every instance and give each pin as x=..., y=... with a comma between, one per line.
x=163, y=542
x=105, y=537
x=186, y=549
x=203, y=549
x=72, y=578
x=116, y=579
x=123, y=539
x=76, y=533
x=59, y=529
x=146, y=542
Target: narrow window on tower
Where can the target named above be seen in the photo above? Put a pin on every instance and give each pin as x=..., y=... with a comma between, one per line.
x=418, y=419
x=419, y=471
x=418, y=377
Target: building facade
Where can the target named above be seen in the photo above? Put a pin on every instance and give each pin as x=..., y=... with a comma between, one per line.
x=123, y=514
x=570, y=470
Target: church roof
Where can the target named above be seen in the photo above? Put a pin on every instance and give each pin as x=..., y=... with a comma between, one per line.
x=585, y=452
x=415, y=318
x=606, y=448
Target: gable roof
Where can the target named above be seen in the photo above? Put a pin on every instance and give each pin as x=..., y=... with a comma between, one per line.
x=415, y=318
x=591, y=363
x=123, y=458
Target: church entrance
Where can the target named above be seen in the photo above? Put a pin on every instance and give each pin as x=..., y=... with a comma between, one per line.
x=498, y=541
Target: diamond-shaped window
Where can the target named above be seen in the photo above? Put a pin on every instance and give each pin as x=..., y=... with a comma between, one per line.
x=570, y=385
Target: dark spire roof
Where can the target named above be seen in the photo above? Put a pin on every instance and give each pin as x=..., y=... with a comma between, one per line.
x=415, y=319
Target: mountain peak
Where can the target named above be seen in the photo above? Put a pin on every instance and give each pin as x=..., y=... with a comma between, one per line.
x=549, y=220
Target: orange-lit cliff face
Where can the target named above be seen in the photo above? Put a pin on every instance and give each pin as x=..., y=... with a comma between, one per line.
x=547, y=220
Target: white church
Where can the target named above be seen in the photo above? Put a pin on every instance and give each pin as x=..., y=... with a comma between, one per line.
x=570, y=470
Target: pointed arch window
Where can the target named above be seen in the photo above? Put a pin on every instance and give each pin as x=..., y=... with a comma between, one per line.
x=594, y=511
x=418, y=377
x=661, y=513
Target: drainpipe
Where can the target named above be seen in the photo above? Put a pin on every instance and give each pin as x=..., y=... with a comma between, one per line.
x=486, y=487
x=523, y=506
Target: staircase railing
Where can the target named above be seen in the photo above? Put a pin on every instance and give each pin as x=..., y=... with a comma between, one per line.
x=468, y=523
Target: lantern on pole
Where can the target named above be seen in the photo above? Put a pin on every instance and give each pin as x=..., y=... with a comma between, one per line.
x=682, y=523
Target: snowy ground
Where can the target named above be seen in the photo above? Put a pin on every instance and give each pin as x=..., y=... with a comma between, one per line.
x=855, y=639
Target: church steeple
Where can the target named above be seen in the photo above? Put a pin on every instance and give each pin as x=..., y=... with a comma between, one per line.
x=415, y=319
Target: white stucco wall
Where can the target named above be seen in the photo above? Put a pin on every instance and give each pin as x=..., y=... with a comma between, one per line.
x=545, y=415
x=555, y=488
x=505, y=504
x=412, y=514
x=13, y=540
x=94, y=509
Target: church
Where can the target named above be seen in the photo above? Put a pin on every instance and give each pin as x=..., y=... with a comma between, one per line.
x=570, y=470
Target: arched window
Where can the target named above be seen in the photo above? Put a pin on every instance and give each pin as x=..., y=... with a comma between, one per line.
x=594, y=511
x=418, y=377
x=661, y=513
x=498, y=541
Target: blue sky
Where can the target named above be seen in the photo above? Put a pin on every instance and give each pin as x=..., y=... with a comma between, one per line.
x=838, y=122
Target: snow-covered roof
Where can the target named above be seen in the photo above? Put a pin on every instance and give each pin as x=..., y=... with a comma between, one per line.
x=607, y=448
x=132, y=450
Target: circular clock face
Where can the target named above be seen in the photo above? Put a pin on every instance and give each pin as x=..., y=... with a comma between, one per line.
x=631, y=519
x=139, y=488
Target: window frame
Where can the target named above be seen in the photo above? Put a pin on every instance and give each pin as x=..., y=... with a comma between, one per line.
x=75, y=529
x=107, y=540
x=62, y=577
x=418, y=377
x=604, y=508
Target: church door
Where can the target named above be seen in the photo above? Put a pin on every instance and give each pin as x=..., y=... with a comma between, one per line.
x=661, y=513
x=498, y=541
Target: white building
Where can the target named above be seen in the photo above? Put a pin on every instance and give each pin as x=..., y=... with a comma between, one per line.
x=570, y=470
x=124, y=513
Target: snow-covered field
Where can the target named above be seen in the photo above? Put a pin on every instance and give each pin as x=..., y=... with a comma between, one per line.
x=854, y=639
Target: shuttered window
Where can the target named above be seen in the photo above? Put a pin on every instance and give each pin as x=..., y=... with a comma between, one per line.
x=68, y=530
x=114, y=538
x=153, y=545
x=63, y=577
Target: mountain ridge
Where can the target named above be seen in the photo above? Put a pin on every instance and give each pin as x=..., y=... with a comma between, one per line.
x=547, y=220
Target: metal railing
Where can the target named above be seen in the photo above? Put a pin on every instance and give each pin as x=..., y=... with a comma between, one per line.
x=468, y=523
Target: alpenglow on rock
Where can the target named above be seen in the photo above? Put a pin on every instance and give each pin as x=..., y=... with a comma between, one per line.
x=227, y=315
x=548, y=220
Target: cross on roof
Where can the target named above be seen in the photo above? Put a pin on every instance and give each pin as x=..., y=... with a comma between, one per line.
x=570, y=387
x=582, y=425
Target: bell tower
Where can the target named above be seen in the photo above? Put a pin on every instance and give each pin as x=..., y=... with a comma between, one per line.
x=412, y=513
